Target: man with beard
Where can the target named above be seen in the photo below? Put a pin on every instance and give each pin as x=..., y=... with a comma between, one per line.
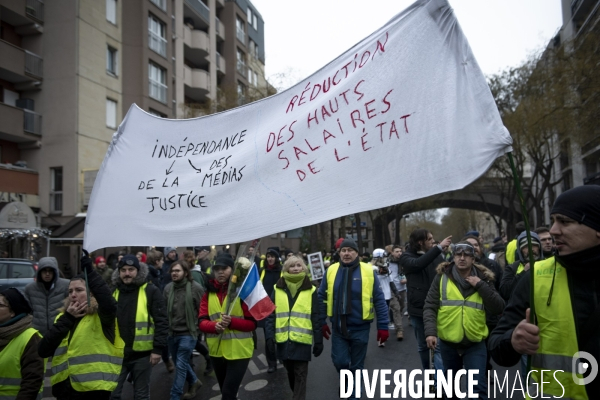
x=142, y=320
x=566, y=295
x=546, y=240
x=170, y=257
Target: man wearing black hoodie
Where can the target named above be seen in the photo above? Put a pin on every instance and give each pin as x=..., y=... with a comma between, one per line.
x=567, y=306
x=143, y=325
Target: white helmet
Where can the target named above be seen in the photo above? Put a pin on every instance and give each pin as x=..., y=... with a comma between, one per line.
x=378, y=253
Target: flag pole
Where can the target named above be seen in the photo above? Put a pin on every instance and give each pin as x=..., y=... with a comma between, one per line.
x=529, y=245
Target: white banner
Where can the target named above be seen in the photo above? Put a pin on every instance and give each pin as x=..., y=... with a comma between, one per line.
x=404, y=114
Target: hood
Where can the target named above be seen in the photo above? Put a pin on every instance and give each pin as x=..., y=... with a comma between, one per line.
x=139, y=280
x=535, y=239
x=47, y=262
x=445, y=267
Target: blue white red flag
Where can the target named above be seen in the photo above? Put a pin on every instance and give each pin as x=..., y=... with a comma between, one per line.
x=254, y=295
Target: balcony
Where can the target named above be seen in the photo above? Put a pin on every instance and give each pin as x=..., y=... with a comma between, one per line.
x=220, y=3
x=18, y=125
x=221, y=65
x=24, y=15
x=18, y=180
x=35, y=9
x=196, y=84
x=18, y=65
x=220, y=29
x=198, y=13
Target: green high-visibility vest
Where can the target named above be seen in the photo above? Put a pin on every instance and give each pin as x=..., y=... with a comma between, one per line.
x=558, y=336
x=10, y=367
x=367, y=278
x=458, y=316
x=89, y=360
x=294, y=325
x=511, y=251
x=231, y=344
x=144, y=323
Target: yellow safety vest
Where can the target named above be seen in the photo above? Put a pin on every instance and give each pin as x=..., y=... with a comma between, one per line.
x=231, y=344
x=459, y=317
x=89, y=360
x=10, y=367
x=294, y=325
x=511, y=250
x=558, y=337
x=144, y=323
x=367, y=282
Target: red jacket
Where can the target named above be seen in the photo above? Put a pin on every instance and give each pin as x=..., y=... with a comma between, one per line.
x=246, y=324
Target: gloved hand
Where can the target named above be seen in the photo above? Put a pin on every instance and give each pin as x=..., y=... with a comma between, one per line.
x=86, y=262
x=326, y=331
x=382, y=335
x=317, y=349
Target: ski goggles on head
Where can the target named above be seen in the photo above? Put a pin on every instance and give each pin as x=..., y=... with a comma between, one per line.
x=463, y=248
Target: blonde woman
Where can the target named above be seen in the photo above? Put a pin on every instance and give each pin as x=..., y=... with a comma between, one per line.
x=294, y=326
x=81, y=370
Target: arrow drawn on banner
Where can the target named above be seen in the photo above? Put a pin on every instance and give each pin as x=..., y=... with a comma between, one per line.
x=198, y=170
x=170, y=168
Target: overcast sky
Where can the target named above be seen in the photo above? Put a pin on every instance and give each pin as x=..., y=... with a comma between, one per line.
x=302, y=36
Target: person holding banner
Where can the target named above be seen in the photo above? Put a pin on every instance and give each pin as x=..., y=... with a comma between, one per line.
x=566, y=289
x=229, y=337
x=295, y=324
x=350, y=296
x=183, y=297
x=84, y=342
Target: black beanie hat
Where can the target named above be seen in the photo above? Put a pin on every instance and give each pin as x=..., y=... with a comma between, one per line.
x=274, y=251
x=17, y=302
x=349, y=243
x=582, y=204
x=130, y=260
x=224, y=260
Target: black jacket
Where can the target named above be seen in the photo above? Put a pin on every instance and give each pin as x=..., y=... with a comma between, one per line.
x=419, y=270
x=293, y=350
x=127, y=309
x=510, y=279
x=584, y=290
x=272, y=276
x=492, y=319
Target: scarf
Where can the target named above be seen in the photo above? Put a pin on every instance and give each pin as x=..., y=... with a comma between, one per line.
x=345, y=298
x=294, y=281
x=190, y=315
x=585, y=262
x=14, y=327
x=465, y=287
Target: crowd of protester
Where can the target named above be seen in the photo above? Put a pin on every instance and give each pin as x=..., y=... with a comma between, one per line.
x=112, y=324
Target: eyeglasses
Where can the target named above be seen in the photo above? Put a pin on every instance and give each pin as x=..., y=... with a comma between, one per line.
x=464, y=249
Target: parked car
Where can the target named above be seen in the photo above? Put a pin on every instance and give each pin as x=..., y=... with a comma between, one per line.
x=16, y=272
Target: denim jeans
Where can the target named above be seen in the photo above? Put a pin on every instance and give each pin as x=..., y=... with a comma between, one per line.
x=474, y=357
x=349, y=353
x=419, y=328
x=140, y=370
x=181, y=348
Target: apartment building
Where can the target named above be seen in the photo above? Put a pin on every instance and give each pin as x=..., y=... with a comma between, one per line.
x=70, y=70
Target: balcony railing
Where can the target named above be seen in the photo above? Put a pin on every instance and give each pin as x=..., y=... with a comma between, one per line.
x=242, y=68
x=32, y=122
x=217, y=25
x=157, y=43
x=200, y=8
x=158, y=91
x=239, y=33
x=34, y=64
x=35, y=9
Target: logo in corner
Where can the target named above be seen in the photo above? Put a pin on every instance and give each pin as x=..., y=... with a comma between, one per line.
x=583, y=363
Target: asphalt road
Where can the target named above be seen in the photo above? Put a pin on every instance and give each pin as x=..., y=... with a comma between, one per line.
x=323, y=380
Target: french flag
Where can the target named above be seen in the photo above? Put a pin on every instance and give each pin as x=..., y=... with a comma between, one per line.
x=253, y=294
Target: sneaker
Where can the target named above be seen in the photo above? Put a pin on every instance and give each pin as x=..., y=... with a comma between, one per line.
x=399, y=335
x=391, y=325
x=191, y=393
x=195, y=353
x=380, y=344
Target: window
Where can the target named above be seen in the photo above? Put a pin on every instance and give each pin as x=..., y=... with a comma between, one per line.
x=255, y=79
x=239, y=29
x=255, y=22
x=111, y=11
x=255, y=52
x=251, y=47
x=241, y=62
x=111, y=61
x=241, y=92
x=157, y=113
x=56, y=190
x=158, y=83
x=111, y=113
x=250, y=73
x=157, y=36
x=162, y=4
x=20, y=271
x=249, y=15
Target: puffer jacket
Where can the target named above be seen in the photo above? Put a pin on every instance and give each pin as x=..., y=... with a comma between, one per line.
x=46, y=302
x=419, y=269
x=492, y=301
x=127, y=310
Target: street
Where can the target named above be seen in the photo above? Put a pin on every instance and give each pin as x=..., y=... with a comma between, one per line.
x=323, y=380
